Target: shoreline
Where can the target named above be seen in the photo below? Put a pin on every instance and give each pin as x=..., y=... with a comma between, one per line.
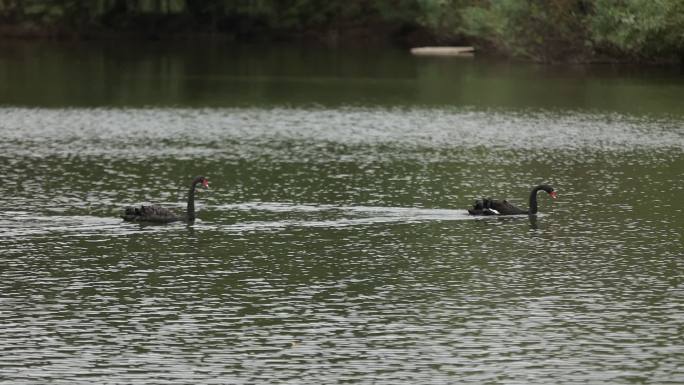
x=356, y=38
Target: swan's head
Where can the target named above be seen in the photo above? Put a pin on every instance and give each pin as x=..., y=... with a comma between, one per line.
x=201, y=180
x=549, y=190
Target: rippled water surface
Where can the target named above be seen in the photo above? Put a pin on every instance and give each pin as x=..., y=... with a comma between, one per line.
x=333, y=246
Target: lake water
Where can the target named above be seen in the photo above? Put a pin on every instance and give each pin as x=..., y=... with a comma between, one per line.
x=333, y=245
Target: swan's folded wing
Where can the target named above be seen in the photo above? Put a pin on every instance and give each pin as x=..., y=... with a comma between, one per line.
x=506, y=208
x=156, y=212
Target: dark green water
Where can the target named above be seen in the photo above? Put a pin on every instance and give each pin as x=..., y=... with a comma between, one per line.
x=198, y=75
x=333, y=245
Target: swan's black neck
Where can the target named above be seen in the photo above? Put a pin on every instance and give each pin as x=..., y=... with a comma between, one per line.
x=533, y=200
x=191, y=202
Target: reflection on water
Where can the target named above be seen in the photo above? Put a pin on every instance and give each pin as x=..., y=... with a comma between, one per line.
x=334, y=246
x=220, y=75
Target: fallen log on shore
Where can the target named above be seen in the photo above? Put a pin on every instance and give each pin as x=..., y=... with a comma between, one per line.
x=443, y=51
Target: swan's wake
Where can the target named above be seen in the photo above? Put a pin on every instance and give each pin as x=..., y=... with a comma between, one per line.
x=240, y=217
x=333, y=216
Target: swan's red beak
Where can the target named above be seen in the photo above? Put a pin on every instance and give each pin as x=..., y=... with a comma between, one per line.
x=205, y=183
x=553, y=194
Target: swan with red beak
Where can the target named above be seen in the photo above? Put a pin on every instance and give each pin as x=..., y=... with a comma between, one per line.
x=488, y=206
x=158, y=214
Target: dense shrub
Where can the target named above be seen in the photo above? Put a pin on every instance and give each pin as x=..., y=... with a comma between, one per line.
x=566, y=30
x=639, y=28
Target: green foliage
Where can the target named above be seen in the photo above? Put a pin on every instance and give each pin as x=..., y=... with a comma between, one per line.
x=550, y=30
x=577, y=30
x=232, y=17
x=639, y=27
x=445, y=17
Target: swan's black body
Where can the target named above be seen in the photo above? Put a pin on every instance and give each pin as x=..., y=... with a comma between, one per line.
x=488, y=206
x=158, y=214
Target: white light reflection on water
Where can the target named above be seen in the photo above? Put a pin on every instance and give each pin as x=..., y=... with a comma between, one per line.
x=186, y=132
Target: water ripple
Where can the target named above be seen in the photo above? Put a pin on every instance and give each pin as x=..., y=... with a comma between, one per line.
x=334, y=246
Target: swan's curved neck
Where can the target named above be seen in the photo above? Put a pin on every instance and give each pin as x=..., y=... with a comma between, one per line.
x=533, y=200
x=191, y=203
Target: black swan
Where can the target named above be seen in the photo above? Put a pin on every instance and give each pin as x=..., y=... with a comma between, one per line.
x=494, y=207
x=158, y=214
